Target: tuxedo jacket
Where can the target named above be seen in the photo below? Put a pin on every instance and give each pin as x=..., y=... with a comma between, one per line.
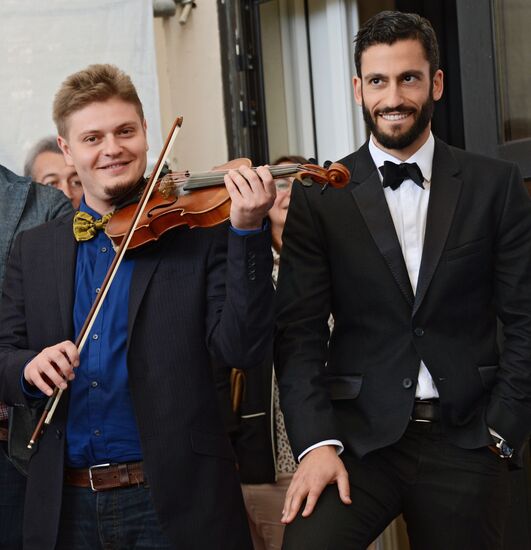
x=341, y=255
x=193, y=293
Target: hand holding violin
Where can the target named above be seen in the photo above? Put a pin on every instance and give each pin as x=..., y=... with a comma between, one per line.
x=252, y=193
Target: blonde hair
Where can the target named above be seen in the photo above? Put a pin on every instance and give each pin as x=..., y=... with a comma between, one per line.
x=96, y=83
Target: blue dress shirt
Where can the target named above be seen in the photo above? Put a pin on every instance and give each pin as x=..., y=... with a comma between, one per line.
x=101, y=424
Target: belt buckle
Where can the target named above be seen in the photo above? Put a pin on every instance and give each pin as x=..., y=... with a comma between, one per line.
x=106, y=465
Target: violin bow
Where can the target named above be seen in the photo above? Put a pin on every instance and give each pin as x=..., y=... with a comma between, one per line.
x=53, y=400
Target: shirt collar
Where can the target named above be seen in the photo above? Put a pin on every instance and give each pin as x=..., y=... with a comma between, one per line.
x=423, y=157
x=83, y=207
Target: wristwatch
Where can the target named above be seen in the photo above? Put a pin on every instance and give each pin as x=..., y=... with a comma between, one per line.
x=502, y=447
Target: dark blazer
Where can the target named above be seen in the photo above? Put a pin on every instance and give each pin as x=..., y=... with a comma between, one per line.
x=193, y=293
x=341, y=254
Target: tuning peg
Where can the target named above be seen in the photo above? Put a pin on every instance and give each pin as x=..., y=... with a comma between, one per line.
x=327, y=164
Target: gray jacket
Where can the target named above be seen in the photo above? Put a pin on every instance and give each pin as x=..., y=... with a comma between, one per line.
x=24, y=204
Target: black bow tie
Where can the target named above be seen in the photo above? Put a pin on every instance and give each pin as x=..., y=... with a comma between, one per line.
x=394, y=174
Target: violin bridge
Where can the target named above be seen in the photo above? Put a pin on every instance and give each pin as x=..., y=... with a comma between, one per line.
x=168, y=188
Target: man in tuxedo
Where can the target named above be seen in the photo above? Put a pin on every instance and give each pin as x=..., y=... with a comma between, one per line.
x=136, y=455
x=408, y=407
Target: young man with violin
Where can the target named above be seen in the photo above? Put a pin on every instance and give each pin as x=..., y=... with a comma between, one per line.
x=409, y=406
x=136, y=455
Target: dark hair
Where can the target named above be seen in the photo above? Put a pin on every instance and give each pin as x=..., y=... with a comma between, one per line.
x=291, y=159
x=387, y=27
x=44, y=145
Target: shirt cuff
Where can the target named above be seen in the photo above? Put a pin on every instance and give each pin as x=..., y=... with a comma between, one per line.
x=245, y=232
x=335, y=442
x=496, y=434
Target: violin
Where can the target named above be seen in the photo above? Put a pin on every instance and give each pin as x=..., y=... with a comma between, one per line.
x=201, y=199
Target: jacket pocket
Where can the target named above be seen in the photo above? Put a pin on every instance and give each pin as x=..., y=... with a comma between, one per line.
x=488, y=375
x=211, y=444
x=174, y=272
x=466, y=249
x=346, y=386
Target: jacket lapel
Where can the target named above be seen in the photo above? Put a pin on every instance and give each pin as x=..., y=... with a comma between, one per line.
x=369, y=196
x=145, y=263
x=65, y=248
x=444, y=194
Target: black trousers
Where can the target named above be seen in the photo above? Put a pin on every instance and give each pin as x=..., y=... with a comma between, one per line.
x=451, y=498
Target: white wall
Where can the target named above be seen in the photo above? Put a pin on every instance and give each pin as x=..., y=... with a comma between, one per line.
x=190, y=79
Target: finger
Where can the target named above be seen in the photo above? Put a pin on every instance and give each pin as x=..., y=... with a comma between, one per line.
x=256, y=186
x=343, y=486
x=35, y=379
x=43, y=386
x=240, y=182
x=286, y=508
x=267, y=180
x=33, y=376
x=311, y=501
x=55, y=377
x=71, y=352
x=231, y=186
x=295, y=505
x=59, y=360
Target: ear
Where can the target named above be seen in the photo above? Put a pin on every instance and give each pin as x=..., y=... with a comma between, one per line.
x=358, y=90
x=65, y=148
x=438, y=85
x=144, y=126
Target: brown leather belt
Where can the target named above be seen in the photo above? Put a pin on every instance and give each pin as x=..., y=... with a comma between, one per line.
x=426, y=411
x=102, y=477
x=3, y=430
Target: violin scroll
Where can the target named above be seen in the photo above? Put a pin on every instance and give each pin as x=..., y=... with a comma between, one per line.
x=336, y=175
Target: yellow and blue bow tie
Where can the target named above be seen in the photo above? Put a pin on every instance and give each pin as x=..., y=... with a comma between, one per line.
x=85, y=226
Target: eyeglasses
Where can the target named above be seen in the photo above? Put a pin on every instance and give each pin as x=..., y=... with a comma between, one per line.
x=283, y=184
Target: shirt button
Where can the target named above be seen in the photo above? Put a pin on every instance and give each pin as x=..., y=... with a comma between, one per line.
x=419, y=331
x=98, y=290
x=97, y=433
x=407, y=383
x=94, y=384
x=103, y=249
x=95, y=336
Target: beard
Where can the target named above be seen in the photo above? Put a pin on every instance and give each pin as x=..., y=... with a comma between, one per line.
x=123, y=192
x=398, y=141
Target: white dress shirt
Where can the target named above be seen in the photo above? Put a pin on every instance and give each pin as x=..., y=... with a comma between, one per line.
x=409, y=207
